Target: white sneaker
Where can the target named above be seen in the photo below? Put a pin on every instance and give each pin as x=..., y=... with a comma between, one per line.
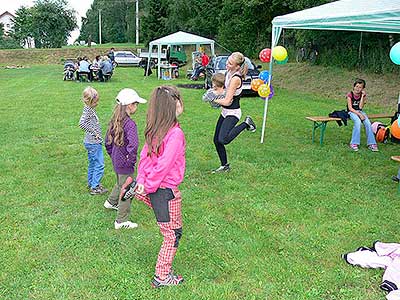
x=110, y=206
x=126, y=225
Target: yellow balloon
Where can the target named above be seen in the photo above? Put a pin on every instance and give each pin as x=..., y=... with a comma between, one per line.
x=279, y=53
x=264, y=90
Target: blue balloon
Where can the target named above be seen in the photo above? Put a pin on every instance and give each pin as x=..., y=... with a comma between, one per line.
x=395, y=53
x=264, y=76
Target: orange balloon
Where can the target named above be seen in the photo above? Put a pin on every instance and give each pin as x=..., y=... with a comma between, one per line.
x=395, y=129
x=255, y=84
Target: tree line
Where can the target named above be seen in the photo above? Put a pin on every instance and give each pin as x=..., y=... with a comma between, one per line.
x=236, y=25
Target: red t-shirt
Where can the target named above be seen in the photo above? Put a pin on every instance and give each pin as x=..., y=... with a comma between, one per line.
x=204, y=60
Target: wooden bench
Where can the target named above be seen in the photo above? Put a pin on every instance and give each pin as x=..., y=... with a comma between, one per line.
x=321, y=122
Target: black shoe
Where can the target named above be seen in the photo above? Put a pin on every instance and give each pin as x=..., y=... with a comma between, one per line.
x=250, y=123
x=395, y=179
x=222, y=169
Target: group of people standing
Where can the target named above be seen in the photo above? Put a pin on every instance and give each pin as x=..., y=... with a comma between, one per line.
x=162, y=161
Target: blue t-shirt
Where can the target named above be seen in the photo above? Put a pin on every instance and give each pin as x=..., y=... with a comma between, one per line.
x=83, y=66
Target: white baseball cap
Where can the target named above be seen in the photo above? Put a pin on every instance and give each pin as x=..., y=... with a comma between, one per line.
x=128, y=96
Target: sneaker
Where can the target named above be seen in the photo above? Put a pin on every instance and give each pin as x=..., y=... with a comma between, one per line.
x=250, y=123
x=222, y=169
x=171, y=279
x=373, y=147
x=395, y=178
x=125, y=225
x=98, y=190
x=354, y=147
x=129, y=191
x=108, y=205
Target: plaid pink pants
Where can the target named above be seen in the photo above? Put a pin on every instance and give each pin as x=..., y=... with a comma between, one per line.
x=166, y=204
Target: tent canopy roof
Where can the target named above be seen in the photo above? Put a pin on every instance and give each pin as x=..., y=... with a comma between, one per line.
x=353, y=15
x=182, y=38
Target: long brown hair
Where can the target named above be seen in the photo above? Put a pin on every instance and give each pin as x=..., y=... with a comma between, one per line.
x=161, y=116
x=115, y=131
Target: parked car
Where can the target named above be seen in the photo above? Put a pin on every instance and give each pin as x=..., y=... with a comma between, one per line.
x=217, y=64
x=126, y=58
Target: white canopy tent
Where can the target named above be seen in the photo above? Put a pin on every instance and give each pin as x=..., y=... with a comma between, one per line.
x=352, y=15
x=179, y=38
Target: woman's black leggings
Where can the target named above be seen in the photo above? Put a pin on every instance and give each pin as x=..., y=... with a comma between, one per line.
x=225, y=132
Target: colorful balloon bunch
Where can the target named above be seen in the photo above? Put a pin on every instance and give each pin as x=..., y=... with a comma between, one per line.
x=262, y=86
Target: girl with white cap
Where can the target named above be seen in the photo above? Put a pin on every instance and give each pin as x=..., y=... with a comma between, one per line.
x=121, y=144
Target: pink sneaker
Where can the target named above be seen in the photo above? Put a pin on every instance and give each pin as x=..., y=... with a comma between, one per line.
x=354, y=147
x=373, y=147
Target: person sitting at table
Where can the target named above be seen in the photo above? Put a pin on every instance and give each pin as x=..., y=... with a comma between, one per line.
x=95, y=66
x=84, y=69
x=106, y=68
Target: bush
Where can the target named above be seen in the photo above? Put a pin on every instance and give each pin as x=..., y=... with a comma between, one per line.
x=8, y=43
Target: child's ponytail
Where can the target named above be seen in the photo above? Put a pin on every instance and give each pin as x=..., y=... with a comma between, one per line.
x=115, y=131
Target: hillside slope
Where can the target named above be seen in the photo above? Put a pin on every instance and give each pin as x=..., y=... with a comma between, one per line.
x=330, y=82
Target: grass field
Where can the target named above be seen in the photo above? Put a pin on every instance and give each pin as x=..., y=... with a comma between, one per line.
x=273, y=228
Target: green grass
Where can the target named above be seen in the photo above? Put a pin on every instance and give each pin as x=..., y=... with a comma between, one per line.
x=273, y=228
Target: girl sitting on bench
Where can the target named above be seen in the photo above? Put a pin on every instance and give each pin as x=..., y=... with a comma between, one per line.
x=355, y=103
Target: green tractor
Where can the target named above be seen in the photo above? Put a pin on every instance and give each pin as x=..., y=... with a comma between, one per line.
x=176, y=55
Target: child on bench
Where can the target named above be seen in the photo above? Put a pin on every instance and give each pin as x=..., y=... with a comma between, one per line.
x=356, y=100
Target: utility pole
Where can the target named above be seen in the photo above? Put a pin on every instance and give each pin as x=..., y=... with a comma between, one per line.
x=100, y=26
x=137, y=22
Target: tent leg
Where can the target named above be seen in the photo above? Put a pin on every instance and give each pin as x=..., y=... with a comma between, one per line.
x=264, y=120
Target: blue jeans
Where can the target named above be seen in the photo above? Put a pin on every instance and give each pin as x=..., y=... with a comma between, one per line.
x=355, y=136
x=96, y=164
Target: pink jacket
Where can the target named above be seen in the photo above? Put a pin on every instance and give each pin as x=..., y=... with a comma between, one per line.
x=168, y=168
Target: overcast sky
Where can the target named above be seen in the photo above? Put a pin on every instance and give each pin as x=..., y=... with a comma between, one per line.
x=81, y=6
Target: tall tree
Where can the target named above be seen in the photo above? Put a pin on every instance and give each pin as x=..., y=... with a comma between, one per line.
x=52, y=22
x=154, y=20
x=22, y=30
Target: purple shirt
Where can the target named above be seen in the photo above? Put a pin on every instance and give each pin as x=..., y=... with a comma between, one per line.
x=124, y=157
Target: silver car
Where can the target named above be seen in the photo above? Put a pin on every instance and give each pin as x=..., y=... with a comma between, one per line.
x=126, y=58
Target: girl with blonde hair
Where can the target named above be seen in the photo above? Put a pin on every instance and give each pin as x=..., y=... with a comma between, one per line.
x=226, y=130
x=92, y=141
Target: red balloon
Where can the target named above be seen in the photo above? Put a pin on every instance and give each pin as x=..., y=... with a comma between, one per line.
x=265, y=55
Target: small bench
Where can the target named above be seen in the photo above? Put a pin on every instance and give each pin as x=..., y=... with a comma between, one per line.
x=321, y=122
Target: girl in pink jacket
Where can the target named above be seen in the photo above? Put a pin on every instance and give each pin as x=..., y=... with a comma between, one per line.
x=160, y=171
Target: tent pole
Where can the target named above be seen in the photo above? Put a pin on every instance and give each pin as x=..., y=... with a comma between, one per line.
x=158, y=61
x=148, y=59
x=276, y=31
